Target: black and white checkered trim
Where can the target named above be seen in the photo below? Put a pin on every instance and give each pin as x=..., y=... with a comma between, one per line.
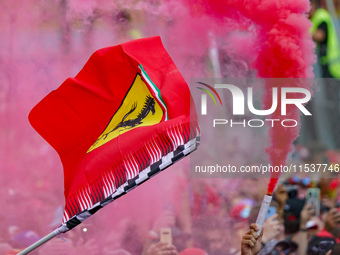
x=144, y=175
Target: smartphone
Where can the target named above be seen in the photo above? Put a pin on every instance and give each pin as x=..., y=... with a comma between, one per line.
x=292, y=190
x=313, y=198
x=271, y=212
x=325, y=246
x=166, y=236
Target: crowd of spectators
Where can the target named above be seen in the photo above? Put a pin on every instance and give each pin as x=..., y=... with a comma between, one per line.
x=208, y=216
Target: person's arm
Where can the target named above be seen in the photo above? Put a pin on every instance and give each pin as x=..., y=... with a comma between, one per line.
x=251, y=241
x=161, y=249
x=332, y=220
x=273, y=228
x=302, y=237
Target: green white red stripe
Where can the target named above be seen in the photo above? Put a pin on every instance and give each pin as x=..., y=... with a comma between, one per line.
x=155, y=90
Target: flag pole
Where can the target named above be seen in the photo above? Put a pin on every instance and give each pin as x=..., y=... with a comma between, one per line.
x=39, y=242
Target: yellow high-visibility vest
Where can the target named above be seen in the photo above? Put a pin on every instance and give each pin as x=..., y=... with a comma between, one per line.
x=332, y=57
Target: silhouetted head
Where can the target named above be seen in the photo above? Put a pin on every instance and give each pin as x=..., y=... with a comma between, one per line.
x=315, y=4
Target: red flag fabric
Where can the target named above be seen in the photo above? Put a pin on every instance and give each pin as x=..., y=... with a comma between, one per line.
x=127, y=115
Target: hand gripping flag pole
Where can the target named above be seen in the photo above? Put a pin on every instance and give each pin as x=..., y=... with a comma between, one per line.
x=125, y=117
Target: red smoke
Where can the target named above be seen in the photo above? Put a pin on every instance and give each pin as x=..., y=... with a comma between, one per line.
x=288, y=53
x=285, y=50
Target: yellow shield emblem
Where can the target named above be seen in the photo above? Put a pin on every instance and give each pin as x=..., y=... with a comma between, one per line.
x=138, y=109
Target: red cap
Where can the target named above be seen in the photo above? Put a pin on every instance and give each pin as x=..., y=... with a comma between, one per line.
x=192, y=251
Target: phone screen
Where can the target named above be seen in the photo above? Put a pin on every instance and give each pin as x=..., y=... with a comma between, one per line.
x=313, y=198
x=271, y=212
x=166, y=236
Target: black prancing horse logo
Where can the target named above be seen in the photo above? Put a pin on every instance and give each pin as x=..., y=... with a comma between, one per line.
x=149, y=105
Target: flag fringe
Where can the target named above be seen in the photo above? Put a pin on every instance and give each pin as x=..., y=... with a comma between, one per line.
x=159, y=153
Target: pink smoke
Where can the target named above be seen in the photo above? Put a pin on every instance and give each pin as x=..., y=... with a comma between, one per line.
x=43, y=43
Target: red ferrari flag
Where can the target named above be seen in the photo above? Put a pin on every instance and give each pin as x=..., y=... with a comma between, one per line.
x=126, y=116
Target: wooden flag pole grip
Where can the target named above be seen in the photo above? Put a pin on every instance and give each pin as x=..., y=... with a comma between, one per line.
x=39, y=242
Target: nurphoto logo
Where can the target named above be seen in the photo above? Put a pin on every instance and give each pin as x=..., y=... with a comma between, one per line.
x=239, y=102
